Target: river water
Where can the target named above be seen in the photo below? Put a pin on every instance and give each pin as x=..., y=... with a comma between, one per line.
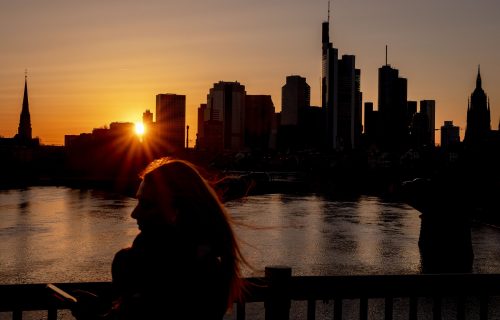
x=59, y=234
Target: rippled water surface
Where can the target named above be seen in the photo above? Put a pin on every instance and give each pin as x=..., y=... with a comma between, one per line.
x=58, y=234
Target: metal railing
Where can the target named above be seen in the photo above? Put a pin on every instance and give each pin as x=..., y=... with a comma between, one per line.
x=278, y=288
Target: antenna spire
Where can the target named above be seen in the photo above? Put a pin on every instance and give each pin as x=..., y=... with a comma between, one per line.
x=328, y=11
x=25, y=74
x=385, y=54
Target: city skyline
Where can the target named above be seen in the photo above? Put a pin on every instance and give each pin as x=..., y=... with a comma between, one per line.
x=95, y=63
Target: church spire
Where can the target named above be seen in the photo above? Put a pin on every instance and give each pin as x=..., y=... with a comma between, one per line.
x=24, y=129
x=478, y=80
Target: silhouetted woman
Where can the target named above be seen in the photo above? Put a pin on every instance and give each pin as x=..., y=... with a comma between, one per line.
x=185, y=262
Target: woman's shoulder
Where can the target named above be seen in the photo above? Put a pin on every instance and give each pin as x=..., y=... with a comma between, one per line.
x=123, y=256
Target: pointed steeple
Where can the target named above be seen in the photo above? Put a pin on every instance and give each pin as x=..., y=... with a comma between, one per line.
x=24, y=129
x=478, y=115
x=478, y=80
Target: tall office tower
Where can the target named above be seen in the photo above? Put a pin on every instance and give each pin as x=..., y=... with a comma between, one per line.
x=171, y=121
x=226, y=104
x=369, y=123
x=478, y=116
x=295, y=97
x=429, y=108
x=259, y=113
x=419, y=133
x=340, y=96
x=358, y=109
x=24, y=129
x=147, y=118
x=346, y=102
x=411, y=110
x=392, y=106
x=450, y=135
x=201, y=125
x=149, y=137
x=329, y=65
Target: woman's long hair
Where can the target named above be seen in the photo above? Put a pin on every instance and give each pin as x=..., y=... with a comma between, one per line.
x=201, y=215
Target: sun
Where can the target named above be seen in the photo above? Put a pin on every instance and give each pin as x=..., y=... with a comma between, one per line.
x=139, y=128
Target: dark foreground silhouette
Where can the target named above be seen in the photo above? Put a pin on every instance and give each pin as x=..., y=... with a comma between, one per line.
x=185, y=262
x=445, y=231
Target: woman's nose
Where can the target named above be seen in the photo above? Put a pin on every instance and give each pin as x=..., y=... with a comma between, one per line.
x=134, y=213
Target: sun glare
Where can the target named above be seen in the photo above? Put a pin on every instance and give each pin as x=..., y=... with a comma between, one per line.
x=139, y=128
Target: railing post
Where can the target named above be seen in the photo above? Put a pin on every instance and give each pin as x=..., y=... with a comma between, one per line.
x=311, y=309
x=363, y=308
x=52, y=314
x=278, y=302
x=240, y=311
x=17, y=314
x=413, y=308
x=483, y=308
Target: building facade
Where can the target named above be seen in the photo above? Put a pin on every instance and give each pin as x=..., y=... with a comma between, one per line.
x=341, y=99
x=295, y=97
x=226, y=105
x=392, y=108
x=450, y=135
x=429, y=108
x=259, y=114
x=170, y=121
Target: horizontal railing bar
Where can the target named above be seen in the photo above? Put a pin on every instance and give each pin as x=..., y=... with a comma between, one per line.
x=35, y=296
x=381, y=286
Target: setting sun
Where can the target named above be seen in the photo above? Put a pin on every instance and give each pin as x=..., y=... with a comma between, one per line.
x=139, y=128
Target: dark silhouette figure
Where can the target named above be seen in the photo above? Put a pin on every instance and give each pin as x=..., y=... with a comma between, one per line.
x=185, y=262
x=445, y=232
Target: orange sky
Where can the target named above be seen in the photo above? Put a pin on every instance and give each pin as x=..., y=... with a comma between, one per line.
x=94, y=62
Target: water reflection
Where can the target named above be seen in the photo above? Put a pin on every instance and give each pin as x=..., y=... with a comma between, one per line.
x=321, y=236
x=51, y=234
x=61, y=234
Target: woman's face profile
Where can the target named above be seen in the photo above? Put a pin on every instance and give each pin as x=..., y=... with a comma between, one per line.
x=152, y=209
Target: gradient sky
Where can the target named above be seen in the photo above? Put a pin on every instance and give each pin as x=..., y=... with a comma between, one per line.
x=94, y=62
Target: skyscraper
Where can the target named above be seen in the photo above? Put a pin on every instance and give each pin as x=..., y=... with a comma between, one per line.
x=370, y=122
x=147, y=118
x=478, y=116
x=259, y=113
x=295, y=97
x=340, y=95
x=347, y=104
x=329, y=95
x=429, y=107
x=170, y=121
x=24, y=128
x=450, y=135
x=411, y=110
x=358, y=109
x=226, y=104
x=392, y=108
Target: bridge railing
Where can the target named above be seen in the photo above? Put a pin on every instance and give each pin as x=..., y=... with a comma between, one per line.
x=278, y=288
